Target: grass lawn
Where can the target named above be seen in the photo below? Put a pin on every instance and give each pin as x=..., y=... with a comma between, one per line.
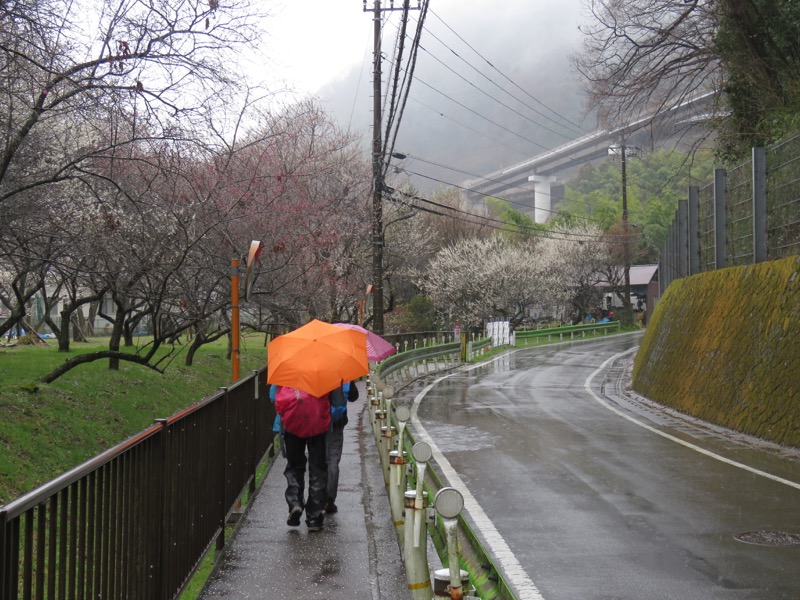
x=46, y=429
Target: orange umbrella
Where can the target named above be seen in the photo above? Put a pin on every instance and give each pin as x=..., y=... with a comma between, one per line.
x=317, y=357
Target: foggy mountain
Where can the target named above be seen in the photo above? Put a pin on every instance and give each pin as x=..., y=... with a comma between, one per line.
x=492, y=86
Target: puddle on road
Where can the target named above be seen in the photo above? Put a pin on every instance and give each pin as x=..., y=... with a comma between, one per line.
x=455, y=438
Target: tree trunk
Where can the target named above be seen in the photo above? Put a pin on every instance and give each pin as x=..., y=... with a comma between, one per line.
x=116, y=336
x=128, y=330
x=78, y=326
x=198, y=341
x=93, y=308
x=63, y=332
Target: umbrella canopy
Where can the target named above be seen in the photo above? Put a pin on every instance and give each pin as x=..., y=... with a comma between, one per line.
x=377, y=347
x=317, y=357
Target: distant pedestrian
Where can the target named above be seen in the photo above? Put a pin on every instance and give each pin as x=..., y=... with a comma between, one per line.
x=334, y=442
x=305, y=420
x=276, y=424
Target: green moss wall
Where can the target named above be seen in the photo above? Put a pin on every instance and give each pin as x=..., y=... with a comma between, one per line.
x=725, y=347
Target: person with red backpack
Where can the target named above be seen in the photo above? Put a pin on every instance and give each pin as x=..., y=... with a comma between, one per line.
x=305, y=420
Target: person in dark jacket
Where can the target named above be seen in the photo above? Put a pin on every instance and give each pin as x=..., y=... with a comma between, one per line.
x=334, y=441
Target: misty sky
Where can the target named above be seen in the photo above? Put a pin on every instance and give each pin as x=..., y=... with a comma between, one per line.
x=457, y=115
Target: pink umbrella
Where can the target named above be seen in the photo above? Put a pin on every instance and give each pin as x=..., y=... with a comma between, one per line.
x=377, y=347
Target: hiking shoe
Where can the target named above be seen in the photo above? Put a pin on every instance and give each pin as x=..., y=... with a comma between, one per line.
x=314, y=524
x=330, y=507
x=294, y=516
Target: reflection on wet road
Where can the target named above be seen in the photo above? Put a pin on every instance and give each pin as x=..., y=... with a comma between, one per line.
x=582, y=493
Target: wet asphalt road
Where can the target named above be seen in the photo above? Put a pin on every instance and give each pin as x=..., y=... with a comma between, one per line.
x=593, y=495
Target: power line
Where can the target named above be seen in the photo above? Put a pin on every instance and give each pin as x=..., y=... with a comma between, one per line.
x=577, y=130
x=539, y=102
x=476, y=113
x=500, y=102
x=410, y=76
x=483, y=117
x=399, y=48
x=474, y=191
x=533, y=230
x=472, y=129
x=455, y=185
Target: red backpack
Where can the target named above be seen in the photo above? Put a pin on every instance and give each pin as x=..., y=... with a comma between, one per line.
x=301, y=413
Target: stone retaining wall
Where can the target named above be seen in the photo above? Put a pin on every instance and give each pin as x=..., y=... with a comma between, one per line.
x=724, y=346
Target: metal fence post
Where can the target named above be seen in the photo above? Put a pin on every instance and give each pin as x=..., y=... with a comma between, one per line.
x=759, y=204
x=163, y=533
x=683, y=238
x=223, y=483
x=254, y=437
x=5, y=557
x=694, y=230
x=720, y=221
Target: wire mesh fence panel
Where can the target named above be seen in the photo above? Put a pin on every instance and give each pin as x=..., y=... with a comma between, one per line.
x=739, y=212
x=783, y=199
x=706, y=227
x=744, y=227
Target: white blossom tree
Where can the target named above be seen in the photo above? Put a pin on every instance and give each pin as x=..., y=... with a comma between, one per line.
x=476, y=279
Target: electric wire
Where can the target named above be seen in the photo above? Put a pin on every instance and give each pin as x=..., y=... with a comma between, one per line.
x=575, y=130
x=399, y=48
x=497, y=224
x=501, y=103
x=482, y=117
x=536, y=228
x=358, y=85
x=407, y=83
x=512, y=82
x=485, y=195
x=404, y=90
x=472, y=129
x=477, y=114
x=457, y=170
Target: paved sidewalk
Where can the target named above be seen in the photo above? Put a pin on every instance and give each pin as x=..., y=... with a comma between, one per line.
x=356, y=556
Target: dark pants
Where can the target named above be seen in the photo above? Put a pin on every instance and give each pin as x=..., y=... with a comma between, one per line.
x=335, y=444
x=296, y=469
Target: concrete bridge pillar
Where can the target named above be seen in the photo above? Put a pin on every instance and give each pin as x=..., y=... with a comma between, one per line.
x=541, y=196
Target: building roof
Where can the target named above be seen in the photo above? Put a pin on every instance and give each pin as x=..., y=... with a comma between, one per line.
x=643, y=274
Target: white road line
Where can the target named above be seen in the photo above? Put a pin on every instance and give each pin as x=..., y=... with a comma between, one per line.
x=587, y=387
x=516, y=576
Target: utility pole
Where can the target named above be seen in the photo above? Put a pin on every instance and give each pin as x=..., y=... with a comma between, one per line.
x=377, y=165
x=377, y=178
x=626, y=249
x=627, y=307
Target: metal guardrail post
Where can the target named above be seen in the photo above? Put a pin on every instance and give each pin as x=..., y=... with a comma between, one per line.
x=387, y=434
x=397, y=477
x=415, y=549
x=449, y=503
x=374, y=409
